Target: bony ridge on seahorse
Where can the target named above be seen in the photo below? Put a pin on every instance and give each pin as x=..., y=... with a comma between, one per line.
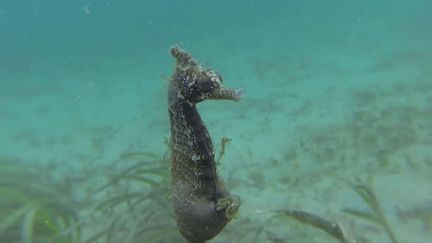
x=202, y=205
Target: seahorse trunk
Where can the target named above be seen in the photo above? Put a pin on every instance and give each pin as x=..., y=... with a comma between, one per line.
x=202, y=205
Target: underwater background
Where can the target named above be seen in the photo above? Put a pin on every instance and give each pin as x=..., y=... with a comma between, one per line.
x=336, y=119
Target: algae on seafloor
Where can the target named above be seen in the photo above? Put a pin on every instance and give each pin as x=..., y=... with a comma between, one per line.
x=375, y=214
x=32, y=209
x=133, y=201
x=332, y=228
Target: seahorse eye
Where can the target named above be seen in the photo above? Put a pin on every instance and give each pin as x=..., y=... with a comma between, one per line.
x=205, y=85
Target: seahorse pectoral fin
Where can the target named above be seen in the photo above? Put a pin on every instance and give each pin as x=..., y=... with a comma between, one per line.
x=229, y=205
x=223, y=93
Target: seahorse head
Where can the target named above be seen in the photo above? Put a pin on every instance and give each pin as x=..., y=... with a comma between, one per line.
x=194, y=83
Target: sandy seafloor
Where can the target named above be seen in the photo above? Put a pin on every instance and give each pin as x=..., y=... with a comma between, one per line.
x=336, y=92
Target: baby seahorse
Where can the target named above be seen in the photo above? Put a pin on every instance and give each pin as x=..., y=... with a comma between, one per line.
x=202, y=205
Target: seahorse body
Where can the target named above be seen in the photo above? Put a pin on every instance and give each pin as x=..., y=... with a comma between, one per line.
x=202, y=205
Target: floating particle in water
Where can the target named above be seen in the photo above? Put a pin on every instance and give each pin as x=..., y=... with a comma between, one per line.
x=86, y=8
x=377, y=114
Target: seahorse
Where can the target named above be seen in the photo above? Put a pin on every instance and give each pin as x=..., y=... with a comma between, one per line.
x=202, y=205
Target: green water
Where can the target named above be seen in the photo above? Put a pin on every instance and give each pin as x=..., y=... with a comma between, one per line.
x=338, y=94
